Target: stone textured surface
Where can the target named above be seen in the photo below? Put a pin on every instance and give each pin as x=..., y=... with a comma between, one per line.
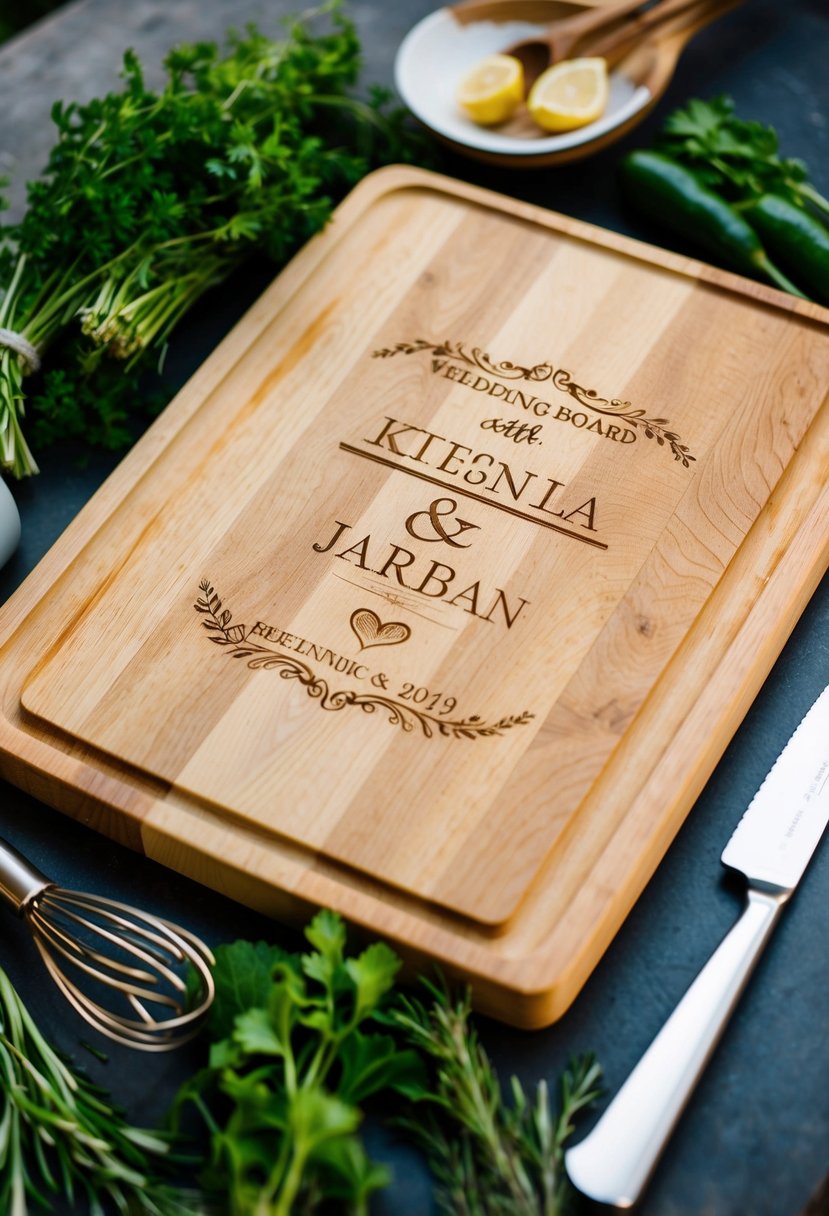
x=755, y=1140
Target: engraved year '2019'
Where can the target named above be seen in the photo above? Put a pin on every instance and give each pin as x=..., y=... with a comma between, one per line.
x=431, y=701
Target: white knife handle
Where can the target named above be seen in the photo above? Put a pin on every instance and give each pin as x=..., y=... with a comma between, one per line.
x=614, y=1162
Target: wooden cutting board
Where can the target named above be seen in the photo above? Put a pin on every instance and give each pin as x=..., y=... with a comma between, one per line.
x=437, y=593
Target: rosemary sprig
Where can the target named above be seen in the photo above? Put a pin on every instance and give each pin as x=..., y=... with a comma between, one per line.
x=488, y=1157
x=60, y=1135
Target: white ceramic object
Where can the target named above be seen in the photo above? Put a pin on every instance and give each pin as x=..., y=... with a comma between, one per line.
x=9, y=523
x=439, y=50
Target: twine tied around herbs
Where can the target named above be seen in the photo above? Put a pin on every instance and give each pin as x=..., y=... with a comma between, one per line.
x=22, y=347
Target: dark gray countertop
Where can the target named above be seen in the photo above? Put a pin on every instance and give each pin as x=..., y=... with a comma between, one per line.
x=755, y=1139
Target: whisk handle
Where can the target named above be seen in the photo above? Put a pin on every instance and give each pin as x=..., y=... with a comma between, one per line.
x=20, y=881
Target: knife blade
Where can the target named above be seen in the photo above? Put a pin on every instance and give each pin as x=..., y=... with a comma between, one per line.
x=771, y=846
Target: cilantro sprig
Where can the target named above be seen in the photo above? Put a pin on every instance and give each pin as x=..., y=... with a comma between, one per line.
x=149, y=199
x=295, y=1057
x=736, y=157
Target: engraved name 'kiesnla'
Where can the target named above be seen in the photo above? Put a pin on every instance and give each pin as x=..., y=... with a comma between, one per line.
x=482, y=472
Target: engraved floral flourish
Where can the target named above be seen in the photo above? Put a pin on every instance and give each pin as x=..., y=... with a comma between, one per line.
x=217, y=622
x=653, y=428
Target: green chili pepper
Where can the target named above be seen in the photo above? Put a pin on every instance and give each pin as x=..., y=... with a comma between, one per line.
x=674, y=197
x=798, y=241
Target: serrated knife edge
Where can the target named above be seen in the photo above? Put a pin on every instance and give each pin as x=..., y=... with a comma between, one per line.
x=784, y=821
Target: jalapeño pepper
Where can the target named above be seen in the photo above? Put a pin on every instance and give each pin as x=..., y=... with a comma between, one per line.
x=796, y=240
x=676, y=198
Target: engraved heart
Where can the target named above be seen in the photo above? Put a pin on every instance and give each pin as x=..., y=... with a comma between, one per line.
x=366, y=625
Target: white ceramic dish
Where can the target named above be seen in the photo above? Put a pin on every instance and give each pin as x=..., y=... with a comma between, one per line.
x=9, y=523
x=437, y=52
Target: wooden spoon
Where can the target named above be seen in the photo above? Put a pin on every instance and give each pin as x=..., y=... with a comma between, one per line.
x=581, y=34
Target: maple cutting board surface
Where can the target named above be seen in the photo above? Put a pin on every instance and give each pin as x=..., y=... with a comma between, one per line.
x=438, y=592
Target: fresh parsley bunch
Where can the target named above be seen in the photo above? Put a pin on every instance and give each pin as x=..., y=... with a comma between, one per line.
x=297, y=1048
x=294, y=1059
x=149, y=199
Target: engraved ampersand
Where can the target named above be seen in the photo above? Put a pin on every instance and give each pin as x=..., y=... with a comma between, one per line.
x=370, y=631
x=429, y=526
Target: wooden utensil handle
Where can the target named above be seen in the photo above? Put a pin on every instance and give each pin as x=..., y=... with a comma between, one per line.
x=700, y=18
x=614, y=45
x=570, y=30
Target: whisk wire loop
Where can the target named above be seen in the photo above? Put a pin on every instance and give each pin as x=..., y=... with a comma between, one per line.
x=69, y=947
x=143, y=1035
x=124, y=917
x=51, y=928
x=77, y=958
x=115, y=949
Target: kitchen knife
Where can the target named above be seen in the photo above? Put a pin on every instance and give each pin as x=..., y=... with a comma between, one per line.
x=771, y=846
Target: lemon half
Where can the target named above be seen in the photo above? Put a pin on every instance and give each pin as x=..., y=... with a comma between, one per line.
x=569, y=95
x=492, y=90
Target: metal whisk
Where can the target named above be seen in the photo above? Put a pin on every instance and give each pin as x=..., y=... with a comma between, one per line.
x=111, y=947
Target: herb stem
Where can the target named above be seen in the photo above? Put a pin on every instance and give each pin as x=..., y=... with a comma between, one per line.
x=814, y=197
x=284, y=1205
x=778, y=278
x=6, y=308
x=57, y=1131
